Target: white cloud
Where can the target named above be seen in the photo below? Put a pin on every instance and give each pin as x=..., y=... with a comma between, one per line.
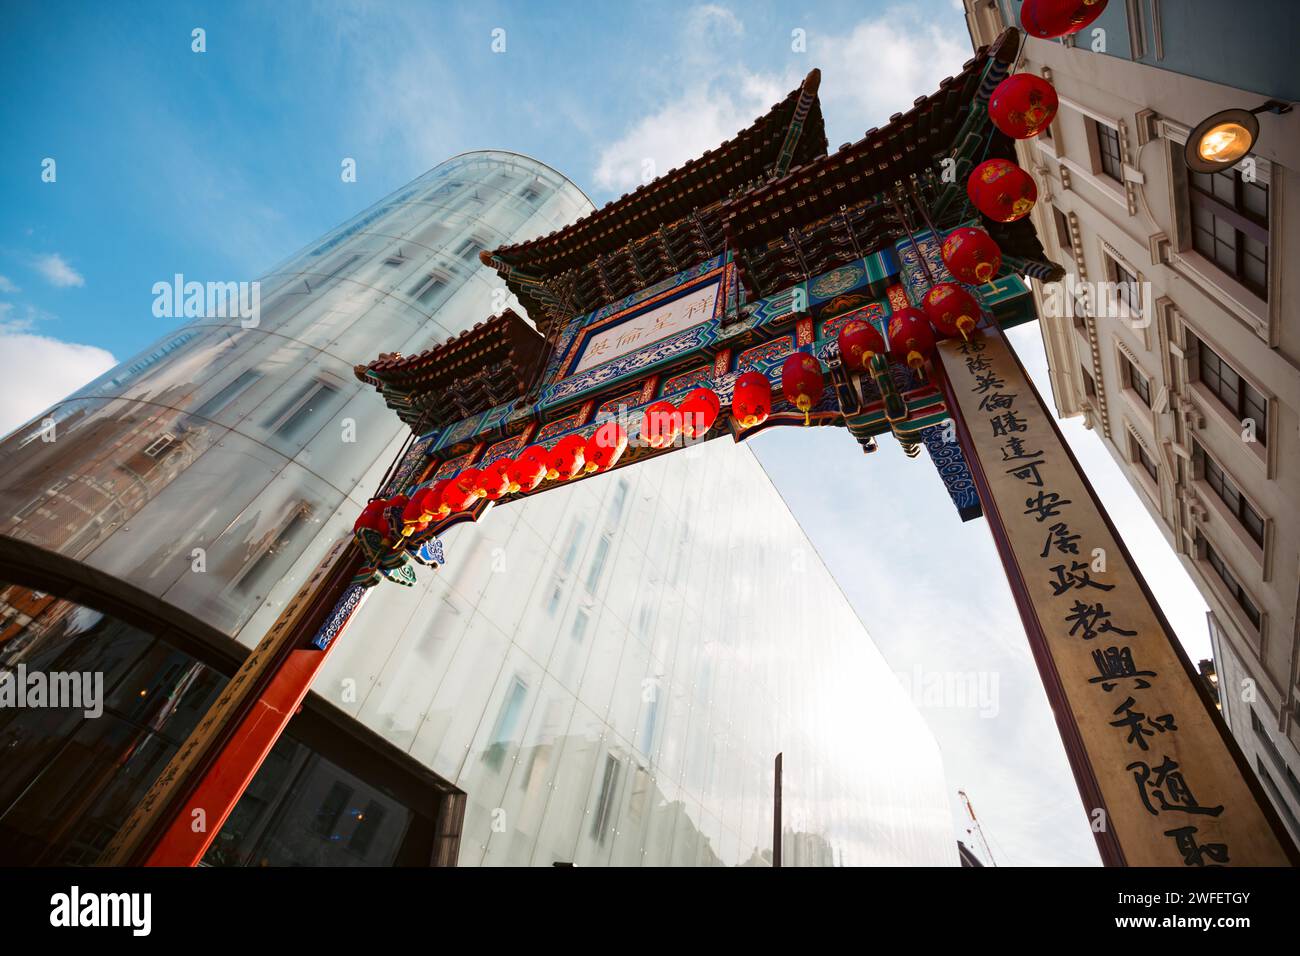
x=719, y=99
x=877, y=69
x=36, y=371
x=880, y=67
x=6, y=285
x=57, y=272
x=683, y=129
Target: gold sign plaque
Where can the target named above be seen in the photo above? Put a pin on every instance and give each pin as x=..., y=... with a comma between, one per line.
x=1171, y=790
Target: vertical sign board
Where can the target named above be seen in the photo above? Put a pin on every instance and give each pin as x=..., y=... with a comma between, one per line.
x=1141, y=737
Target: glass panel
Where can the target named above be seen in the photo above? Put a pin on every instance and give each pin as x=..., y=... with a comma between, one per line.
x=303, y=810
x=74, y=768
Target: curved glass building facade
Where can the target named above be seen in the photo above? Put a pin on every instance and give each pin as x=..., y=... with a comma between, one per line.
x=606, y=671
x=257, y=445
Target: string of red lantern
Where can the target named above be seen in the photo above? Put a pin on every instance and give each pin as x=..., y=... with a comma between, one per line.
x=971, y=255
x=492, y=481
x=566, y=459
x=602, y=451
x=459, y=493
x=751, y=399
x=859, y=341
x=528, y=470
x=699, y=410
x=1023, y=105
x=1001, y=190
x=661, y=424
x=911, y=340
x=1048, y=19
x=951, y=309
x=802, y=382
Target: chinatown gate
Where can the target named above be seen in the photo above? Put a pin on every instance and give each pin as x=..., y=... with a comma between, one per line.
x=769, y=283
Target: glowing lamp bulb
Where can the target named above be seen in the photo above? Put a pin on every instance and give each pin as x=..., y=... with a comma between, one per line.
x=1225, y=143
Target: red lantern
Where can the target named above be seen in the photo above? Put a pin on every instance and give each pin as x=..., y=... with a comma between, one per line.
x=433, y=504
x=372, y=517
x=419, y=509
x=1001, y=190
x=971, y=255
x=603, y=449
x=910, y=337
x=951, y=309
x=1023, y=105
x=699, y=411
x=661, y=424
x=566, y=458
x=1047, y=19
x=493, y=480
x=860, y=342
x=528, y=470
x=460, y=492
x=751, y=401
x=802, y=382
x=412, y=516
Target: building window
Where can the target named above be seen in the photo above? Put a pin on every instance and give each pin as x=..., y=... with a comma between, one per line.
x=1128, y=294
x=428, y=287
x=1089, y=385
x=470, y=248
x=342, y=263
x=557, y=595
x=581, y=618
x=1266, y=743
x=158, y=447
x=269, y=553
x=603, y=817
x=1239, y=396
x=1230, y=225
x=1229, y=580
x=618, y=501
x=306, y=408
x=1063, y=238
x=1108, y=151
x=227, y=394
x=1142, y=458
x=575, y=542
x=1223, y=486
x=507, y=719
x=1278, y=800
x=597, y=568
x=1138, y=382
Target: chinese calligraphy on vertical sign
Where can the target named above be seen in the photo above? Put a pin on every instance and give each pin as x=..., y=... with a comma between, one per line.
x=1173, y=793
x=650, y=326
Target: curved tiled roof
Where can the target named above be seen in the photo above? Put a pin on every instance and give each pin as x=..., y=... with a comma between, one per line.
x=747, y=157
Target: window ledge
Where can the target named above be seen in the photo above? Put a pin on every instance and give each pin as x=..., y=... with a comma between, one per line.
x=1140, y=410
x=1233, y=297
x=1211, y=409
x=1220, y=510
x=1232, y=610
x=1108, y=187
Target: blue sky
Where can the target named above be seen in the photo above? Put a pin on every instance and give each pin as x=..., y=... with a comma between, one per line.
x=222, y=163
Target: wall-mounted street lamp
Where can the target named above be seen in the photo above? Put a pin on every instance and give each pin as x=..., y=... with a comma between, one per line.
x=1221, y=140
